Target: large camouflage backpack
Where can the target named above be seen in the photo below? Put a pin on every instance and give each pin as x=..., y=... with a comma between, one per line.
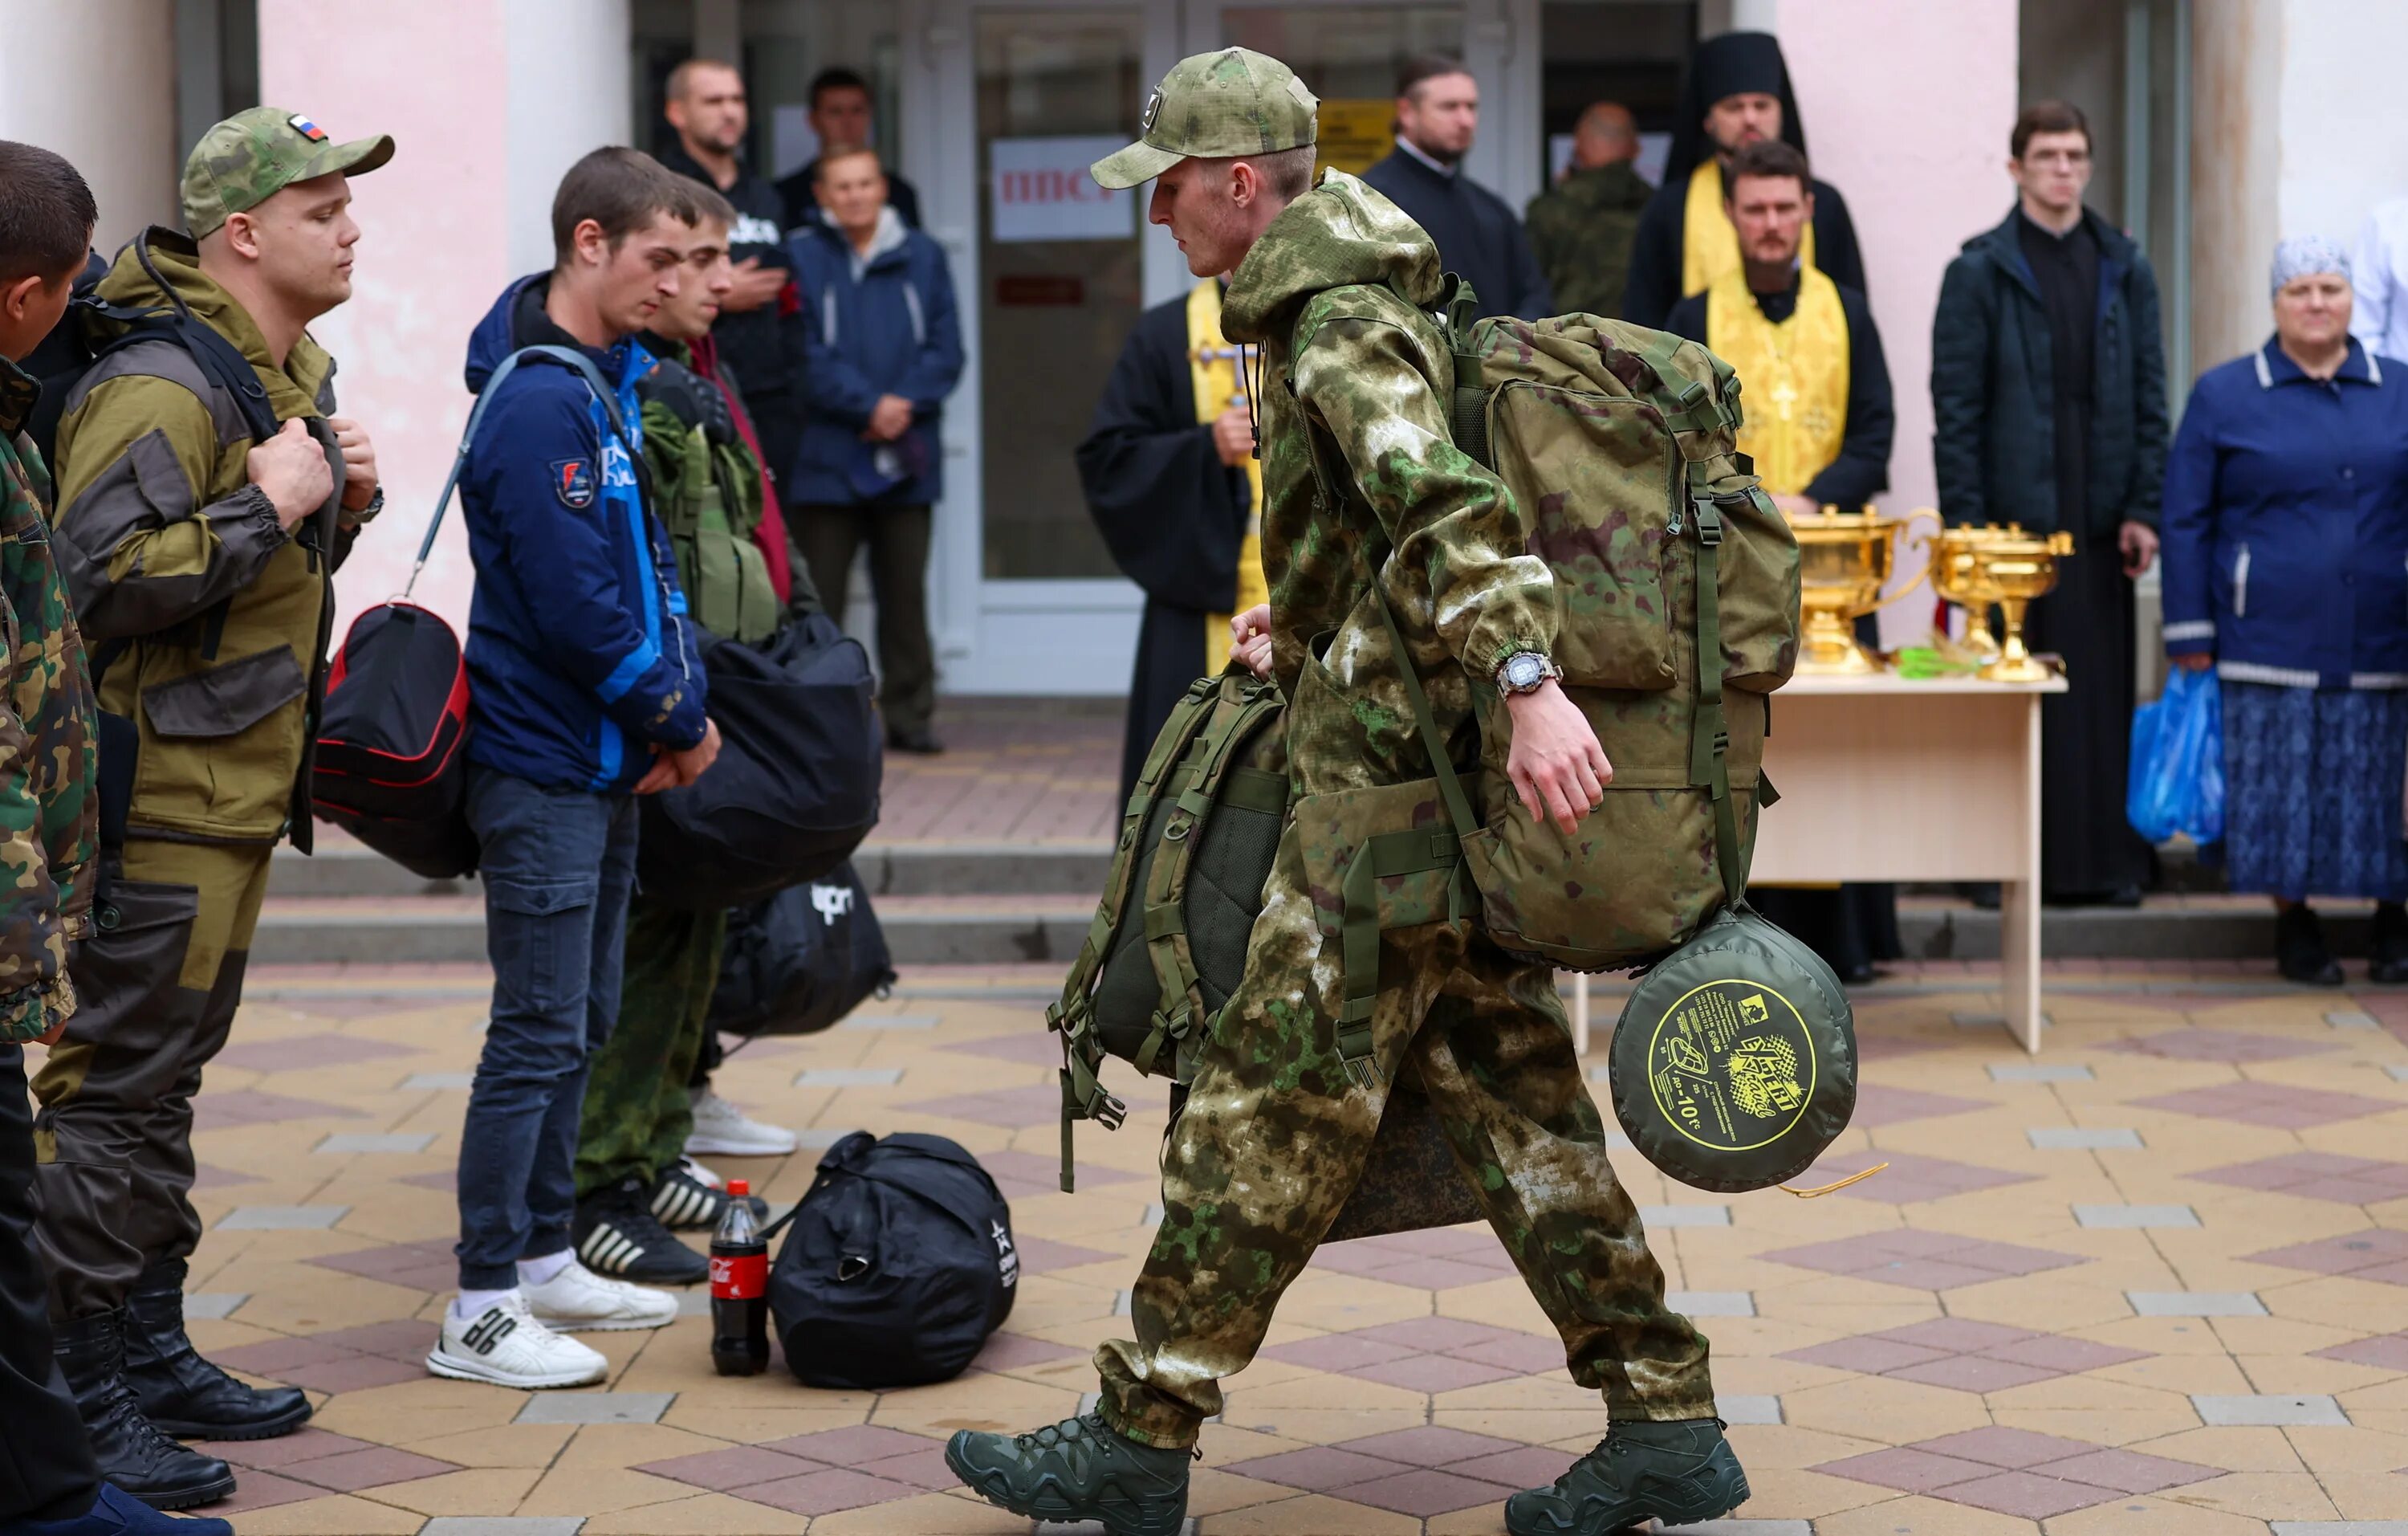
x=1169, y=942
x=1680, y=584
x=708, y=496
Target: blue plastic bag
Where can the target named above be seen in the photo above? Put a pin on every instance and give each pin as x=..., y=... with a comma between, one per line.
x=2177, y=779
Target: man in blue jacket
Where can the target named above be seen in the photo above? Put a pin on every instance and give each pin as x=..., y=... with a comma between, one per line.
x=882, y=348
x=586, y=689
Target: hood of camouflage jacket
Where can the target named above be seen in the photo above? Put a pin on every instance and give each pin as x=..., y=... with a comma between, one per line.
x=162, y=269
x=1340, y=232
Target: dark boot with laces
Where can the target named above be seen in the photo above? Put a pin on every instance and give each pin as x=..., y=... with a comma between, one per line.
x=182, y=1393
x=1680, y=1472
x=1080, y=1469
x=131, y=1451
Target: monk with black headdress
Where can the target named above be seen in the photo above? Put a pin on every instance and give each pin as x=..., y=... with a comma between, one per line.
x=1735, y=94
x=1172, y=483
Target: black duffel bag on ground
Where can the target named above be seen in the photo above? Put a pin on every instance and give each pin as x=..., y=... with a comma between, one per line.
x=794, y=788
x=898, y=1265
x=800, y=961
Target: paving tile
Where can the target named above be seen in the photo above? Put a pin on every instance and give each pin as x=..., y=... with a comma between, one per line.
x=213, y=1304
x=2196, y=1303
x=2389, y=1352
x=1923, y=1260
x=362, y=1144
x=1039, y=1256
x=2010, y=1449
x=924, y=1470
x=2062, y=1355
x=2042, y=1072
x=1880, y=1104
x=1908, y=1177
x=1712, y=1303
x=1434, y=1335
x=2351, y=1019
x=307, y=1443
x=2368, y=1253
x=1338, y=1352
x=1017, y=1351
x=1744, y=1528
x=206, y=1177
x=1531, y=1467
x=2143, y=1216
x=1524, y=1354
x=297, y=1051
x=237, y=1106
x=371, y=1468
x=2341, y=1528
x=2221, y=1045
x=1869, y=1355
x=502, y=1525
x=258, y=1491
x=1425, y=1492
x=1747, y=1408
x=1684, y=1215
x=354, y=1373
x=2031, y=1496
x=1438, y=1372
x=849, y=1077
x=1906, y=1470
x=727, y=1470
x=439, y=1081
x=1957, y=1335
x=2269, y=1407
x=2131, y=1471
x=1015, y=1108
x=2319, y=1176
x=1318, y=1468
x=2280, y=1106
x=1429, y=1446
x=1974, y=1374
x=912, y=1021
x=595, y=1408
x=2083, y=1138
x=852, y=1445
x=281, y=1218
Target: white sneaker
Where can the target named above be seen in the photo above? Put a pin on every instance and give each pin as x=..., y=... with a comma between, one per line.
x=578, y=1300
x=506, y=1344
x=701, y=1175
x=719, y=1127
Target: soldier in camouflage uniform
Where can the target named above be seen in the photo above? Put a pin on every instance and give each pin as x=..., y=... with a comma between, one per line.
x=201, y=561
x=1362, y=484
x=1582, y=228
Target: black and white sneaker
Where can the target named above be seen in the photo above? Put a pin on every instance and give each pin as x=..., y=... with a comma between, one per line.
x=685, y=1203
x=617, y=1234
x=506, y=1344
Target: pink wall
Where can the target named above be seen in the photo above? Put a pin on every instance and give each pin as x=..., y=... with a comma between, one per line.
x=432, y=73
x=1907, y=105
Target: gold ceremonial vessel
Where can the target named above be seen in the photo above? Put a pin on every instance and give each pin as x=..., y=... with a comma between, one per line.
x=2017, y=566
x=1845, y=560
x=1959, y=576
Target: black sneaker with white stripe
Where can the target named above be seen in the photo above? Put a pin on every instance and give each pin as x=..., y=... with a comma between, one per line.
x=617, y=1234
x=684, y=1204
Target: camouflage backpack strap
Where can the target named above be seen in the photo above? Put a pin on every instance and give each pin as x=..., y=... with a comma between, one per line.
x=1072, y=1017
x=1467, y=408
x=1217, y=779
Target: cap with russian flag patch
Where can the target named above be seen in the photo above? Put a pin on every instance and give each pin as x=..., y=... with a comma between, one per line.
x=256, y=153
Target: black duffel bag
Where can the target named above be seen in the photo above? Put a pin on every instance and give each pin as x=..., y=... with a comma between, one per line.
x=388, y=767
x=801, y=960
x=898, y=1265
x=794, y=788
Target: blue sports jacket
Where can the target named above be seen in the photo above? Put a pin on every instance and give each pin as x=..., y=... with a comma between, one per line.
x=2286, y=532
x=580, y=656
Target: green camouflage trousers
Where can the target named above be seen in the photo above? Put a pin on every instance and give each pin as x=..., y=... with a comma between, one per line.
x=1274, y=1134
x=636, y=1114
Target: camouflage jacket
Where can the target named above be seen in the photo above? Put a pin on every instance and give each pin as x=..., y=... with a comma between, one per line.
x=49, y=806
x=1582, y=231
x=1361, y=482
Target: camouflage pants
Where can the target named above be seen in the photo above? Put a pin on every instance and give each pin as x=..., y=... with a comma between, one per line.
x=1273, y=1136
x=159, y=982
x=637, y=1114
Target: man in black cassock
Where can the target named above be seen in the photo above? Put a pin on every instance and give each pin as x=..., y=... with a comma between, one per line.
x=1168, y=489
x=1736, y=92
x=1478, y=234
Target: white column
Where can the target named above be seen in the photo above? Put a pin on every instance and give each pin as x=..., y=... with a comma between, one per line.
x=569, y=92
x=2236, y=171
x=95, y=82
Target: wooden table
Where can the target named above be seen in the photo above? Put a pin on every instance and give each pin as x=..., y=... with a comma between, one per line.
x=1883, y=779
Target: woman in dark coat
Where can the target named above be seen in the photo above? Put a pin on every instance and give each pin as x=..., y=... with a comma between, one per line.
x=2286, y=548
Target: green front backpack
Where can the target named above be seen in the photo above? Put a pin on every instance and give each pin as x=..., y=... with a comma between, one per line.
x=709, y=498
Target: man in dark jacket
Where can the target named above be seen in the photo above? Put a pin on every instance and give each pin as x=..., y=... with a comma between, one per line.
x=2048, y=395
x=1478, y=237
x=49, y=830
x=882, y=348
x=758, y=333
x=1582, y=229
x=586, y=689
x=841, y=116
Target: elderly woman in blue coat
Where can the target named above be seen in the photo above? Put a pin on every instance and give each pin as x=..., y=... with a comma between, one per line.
x=2286, y=546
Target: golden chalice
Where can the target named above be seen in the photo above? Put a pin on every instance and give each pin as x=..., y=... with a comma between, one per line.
x=2018, y=566
x=1845, y=560
x=1958, y=576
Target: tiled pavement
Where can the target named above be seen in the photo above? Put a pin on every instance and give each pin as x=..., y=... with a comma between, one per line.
x=2199, y=1326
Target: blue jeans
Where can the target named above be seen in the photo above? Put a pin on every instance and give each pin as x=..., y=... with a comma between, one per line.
x=557, y=865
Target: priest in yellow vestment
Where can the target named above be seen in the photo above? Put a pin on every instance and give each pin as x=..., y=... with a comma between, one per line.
x=1735, y=93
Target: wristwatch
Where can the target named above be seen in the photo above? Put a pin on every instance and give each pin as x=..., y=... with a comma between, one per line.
x=1526, y=672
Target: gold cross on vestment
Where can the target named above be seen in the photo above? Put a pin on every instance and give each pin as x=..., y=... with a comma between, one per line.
x=1785, y=395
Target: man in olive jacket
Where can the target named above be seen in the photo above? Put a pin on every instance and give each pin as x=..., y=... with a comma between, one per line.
x=201, y=563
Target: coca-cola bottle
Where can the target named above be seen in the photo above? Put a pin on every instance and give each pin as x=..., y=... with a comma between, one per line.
x=739, y=1289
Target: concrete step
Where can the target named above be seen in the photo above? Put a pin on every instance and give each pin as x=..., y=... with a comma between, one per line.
x=344, y=869
x=2162, y=929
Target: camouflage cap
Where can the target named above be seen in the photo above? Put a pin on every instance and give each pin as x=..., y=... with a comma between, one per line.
x=259, y=151
x=1215, y=107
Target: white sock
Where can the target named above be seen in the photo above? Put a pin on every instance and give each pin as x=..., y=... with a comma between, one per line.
x=470, y=1305
x=535, y=1271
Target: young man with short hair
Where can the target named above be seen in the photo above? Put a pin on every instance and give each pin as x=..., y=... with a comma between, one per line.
x=841, y=116
x=634, y=1186
x=48, y=1483
x=201, y=550
x=1477, y=233
x=586, y=690
x=1366, y=499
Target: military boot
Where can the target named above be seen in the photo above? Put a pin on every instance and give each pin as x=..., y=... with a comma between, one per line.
x=180, y=1392
x=1682, y=1473
x=1080, y=1469
x=131, y=1451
